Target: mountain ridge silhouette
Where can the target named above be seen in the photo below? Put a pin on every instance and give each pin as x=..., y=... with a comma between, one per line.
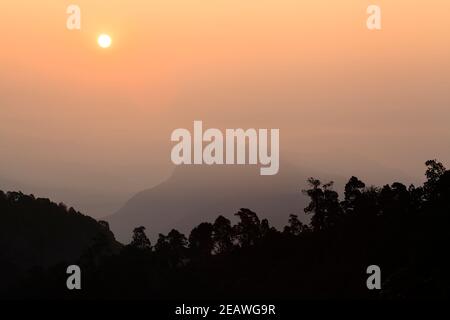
x=196, y=193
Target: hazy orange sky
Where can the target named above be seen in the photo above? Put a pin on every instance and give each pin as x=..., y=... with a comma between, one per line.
x=97, y=121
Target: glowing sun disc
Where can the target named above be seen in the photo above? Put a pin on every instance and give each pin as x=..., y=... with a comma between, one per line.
x=104, y=41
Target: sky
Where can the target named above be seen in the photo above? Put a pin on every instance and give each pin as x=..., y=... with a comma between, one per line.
x=91, y=126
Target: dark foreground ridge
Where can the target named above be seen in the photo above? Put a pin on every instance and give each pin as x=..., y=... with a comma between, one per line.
x=404, y=230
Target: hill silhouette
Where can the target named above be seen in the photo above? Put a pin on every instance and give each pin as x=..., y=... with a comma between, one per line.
x=195, y=193
x=37, y=233
x=402, y=229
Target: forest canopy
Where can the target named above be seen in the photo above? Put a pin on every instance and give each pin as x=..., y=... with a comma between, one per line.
x=403, y=229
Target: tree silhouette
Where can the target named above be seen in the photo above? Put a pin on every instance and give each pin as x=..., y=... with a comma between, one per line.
x=353, y=191
x=140, y=240
x=324, y=204
x=222, y=235
x=172, y=248
x=434, y=171
x=295, y=227
x=201, y=239
x=248, y=230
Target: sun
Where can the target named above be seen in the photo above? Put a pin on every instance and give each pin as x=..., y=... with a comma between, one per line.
x=104, y=41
